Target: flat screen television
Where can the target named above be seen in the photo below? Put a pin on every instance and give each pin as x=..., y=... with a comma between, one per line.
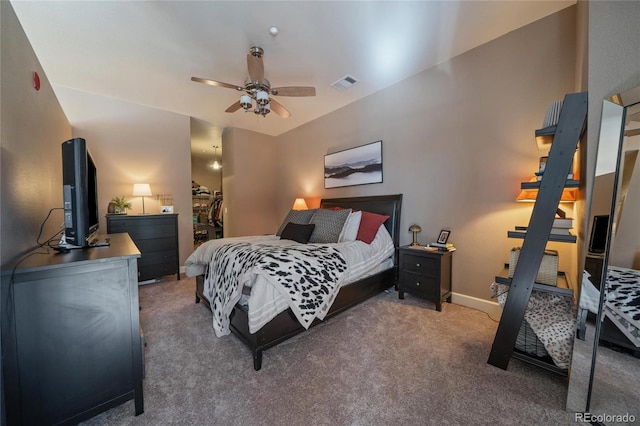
x=80, y=194
x=599, y=232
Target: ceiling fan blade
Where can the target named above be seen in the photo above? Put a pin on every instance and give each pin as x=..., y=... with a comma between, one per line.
x=216, y=83
x=234, y=107
x=256, y=68
x=294, y=91
x=279, y=109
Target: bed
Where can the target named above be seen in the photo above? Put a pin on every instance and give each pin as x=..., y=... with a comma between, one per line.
x=285, y=322
x=621, y=306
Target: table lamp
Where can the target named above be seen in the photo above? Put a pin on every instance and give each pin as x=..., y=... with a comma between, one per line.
x=415, y=229
x=142, y=190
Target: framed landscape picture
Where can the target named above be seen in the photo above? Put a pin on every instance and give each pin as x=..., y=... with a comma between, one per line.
x=355, y=166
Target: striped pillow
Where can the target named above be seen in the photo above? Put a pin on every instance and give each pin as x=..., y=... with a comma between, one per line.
x=329, y=224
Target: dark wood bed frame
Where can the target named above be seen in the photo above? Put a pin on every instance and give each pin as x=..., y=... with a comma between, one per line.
x=285, y=325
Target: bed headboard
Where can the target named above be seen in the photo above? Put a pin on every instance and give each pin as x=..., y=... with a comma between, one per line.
x=381, y=204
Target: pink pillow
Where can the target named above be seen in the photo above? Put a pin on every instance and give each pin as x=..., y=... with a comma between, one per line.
x=369, y=225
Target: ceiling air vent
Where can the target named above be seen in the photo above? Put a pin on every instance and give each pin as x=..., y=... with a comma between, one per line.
x=345, y=82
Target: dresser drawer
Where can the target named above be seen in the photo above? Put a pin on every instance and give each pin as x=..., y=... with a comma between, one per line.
x=146, y=231
x=420, y=285
x=155, y=270
x=167, y=256
x=157, y=244
x=421, y=265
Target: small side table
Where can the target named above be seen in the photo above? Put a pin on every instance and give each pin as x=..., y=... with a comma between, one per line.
x=425, y=273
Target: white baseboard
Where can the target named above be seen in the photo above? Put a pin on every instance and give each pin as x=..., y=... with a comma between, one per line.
x=491, y=308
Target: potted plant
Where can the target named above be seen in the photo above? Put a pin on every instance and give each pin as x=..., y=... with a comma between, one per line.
x=120, y=205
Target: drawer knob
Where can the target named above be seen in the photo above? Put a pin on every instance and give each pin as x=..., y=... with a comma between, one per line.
x=418, y=284
x=418, y=265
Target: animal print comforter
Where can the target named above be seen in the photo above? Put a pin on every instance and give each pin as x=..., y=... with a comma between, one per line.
x=622, y=304
x=308, y=276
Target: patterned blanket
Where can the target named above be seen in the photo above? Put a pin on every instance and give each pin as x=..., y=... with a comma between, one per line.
x=552, y=317
x=308, y=277
x=623, y=301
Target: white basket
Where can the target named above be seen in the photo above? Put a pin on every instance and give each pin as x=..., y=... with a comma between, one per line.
x=548, y=272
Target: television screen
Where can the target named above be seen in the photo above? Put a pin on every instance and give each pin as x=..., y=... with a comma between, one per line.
x=599, y=232
x=80, y=194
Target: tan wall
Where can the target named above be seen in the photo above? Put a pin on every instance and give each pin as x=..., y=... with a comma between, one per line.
x=33, y=129
x=136, y=144
x=457, y=141
x=249, y=183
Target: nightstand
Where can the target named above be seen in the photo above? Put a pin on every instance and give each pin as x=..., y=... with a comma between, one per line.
x=426, y=274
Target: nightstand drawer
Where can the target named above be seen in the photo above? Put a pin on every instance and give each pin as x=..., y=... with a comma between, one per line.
x=421, y=265
x=419, y=285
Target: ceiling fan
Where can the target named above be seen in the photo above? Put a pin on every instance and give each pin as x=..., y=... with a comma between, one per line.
x=257, y=88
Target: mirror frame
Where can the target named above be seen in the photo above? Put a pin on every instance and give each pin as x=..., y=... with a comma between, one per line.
x=623, y=100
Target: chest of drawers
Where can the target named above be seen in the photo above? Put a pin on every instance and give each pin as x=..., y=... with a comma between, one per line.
x=156, y=236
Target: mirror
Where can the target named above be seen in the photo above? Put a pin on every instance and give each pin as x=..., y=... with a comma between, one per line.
x=206, y=181
x=605, y=368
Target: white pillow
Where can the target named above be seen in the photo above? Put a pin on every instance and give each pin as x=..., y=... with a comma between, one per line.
x=350, y=228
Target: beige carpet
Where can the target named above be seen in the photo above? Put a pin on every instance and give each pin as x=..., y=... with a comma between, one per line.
x=384, y=362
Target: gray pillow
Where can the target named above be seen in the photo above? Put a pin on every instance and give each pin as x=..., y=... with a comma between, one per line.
x=329, y=224
x=301, y=217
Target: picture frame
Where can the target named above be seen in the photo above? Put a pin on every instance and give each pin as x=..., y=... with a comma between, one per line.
x=444, y=236
x=361, y=165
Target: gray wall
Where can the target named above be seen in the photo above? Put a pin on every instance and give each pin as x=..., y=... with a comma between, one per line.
x=457, y=141
x=33, y=129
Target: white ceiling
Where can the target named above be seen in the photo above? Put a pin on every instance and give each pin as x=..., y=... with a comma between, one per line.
x=145, y=52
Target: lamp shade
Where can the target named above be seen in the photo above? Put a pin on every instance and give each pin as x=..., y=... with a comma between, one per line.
x=569, y=195
x=415, y=228
x=300, y=204
x=141, y=190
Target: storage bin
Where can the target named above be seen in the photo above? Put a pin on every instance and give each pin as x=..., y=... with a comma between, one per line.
x=548, y=272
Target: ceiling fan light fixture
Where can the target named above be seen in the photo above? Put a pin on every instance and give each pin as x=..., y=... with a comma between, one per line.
x=245, y=101
x=262, y=97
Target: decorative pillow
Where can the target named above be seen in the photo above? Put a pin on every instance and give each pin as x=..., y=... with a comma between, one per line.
x=329, y=224
x=351, y=226
x=369, y=225
x=297, y=232
x=296, y=216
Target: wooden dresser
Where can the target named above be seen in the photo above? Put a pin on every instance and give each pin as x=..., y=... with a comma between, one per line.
x=156, y=235
x=71, y=337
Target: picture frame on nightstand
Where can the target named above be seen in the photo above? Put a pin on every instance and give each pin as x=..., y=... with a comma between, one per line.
x=444, y=236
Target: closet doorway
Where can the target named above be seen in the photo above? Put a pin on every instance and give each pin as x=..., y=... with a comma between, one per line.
x=206, y=181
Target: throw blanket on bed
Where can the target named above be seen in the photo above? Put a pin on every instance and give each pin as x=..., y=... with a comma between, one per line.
x=308, y=277
x=623, y=301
